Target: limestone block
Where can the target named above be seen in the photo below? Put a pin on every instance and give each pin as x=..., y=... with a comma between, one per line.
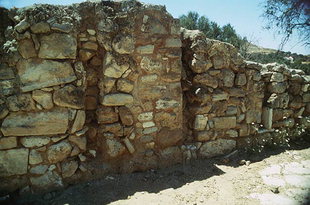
x=111, y=68
x=40, y=169
x=167, y=119
x=206, y=79
x=232, y=133
x=129, y=145
x=8, y=142
x=147, y=49
x=241, y=79
x=40, y=27
x=35, y=74
x=224, y=122
x=149, y=78
x=35, y=157
x=167, y=137
x=106, y=115
x=152, y=65
x=217, y=147
x=167, y=104
x=39, y=123
x=126, y=116
x=58, y=152
x=69, y=168
x=306, y=98
x=267, y=117
x=253, y=116
x=22, y=102
x=90, y=45
x=117, y=99
x=278, y=100
x=200, y=122
x=79, y=121
x=276, y=87
x=43, y=98
x=50, y=180
x=146, y=116
x=149, y=130
x=148, y=124
x=35, y=141
x=7, y=87
x=85, y=55
x=26, y=49
x=123, y=44
x=6, y=72
x=231, y=110
x=79, y=141
x=220, y=96
x=69, y=96
x=13, y=162
x=115, y=128
x=199, y=64
x=22, y=26
x=114, y=148
x=204, y=136
x=124, y=85
x=173, y=43
x=58, y=46
x=277, y=77
x=228, y=77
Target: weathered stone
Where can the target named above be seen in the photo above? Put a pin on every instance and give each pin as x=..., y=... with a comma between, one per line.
x=26, y=49
x=8, y=143
x=146, y=116
x=170, y=154
x=277, y=77
x=166, y=104
x=278, y=100
x=85, y=55
x=90, y=46
x=173, y=43
x=40, y=169
x=22, y=26
x=147, y=49
x=152, y=65
x=231, y=110
x=267, y=117
x=123, y=44
x=40, y=27
x=117, y=99
x=69, y=96
x=232, y=133
x=220, y=96
x=244, y=130
x=34, y=141
x=200, y=122
x=126, y=116
x=106, y=115
x=115, y=148
x=217, y=147
x=124, y=85
x=279, y=114
x=79, y=141
x=241, y=79
x=107, y=84
x=22, y=102
x=35, y=74
x=295, y=88
x=129, y=145
x=50, y=180
x=13, y=162
x=6, y=72
x=167, y=119
x=224, y=122
x=115, y=128
x=40, y=123
x=58, y=46
x=43, y=98
x=35, y=157
x=199, y=64
x=290, y=122
x=228, y=77
x=79, y=121
x=276, y=87
x=306, y=98
x=149, y=130
x=148, y=124
x=167, y=137
x=206, y=79
x=58, y=152
x=111, y=68
x=7, y=87
x=204, y=136
x=305, y=121
x=69, y=168
x=253, y=116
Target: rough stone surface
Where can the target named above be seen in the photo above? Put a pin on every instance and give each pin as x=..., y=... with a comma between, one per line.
x=13, y=162
x=8, y=142
x=35, y=74
x=126, y=116
x=26, y=49
x=106, y=115
x=40, y=123
x=225, y=122
x=69, y=168
x=22, y=102
x=79, y=121
x=200, y=122
x=115, y=148
x=79, y=141
x=43, y=98
x=59, y=151
x=58, y=46
x=34, y=141
x=50, y=180
x=111, y=68
x=217, y=147
x=117, y=99
x=69, y=96
x=35, y=157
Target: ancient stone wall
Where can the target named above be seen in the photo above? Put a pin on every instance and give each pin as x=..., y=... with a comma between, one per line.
x=103, y=87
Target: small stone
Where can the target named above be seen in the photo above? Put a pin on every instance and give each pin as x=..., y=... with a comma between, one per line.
x=204, y=136
x=126, y=116
x=147, y=49
x=50, y=180
x=173, y=43
x=69, y=96
x=114, y=148
x=217, y=147
x=148, y=124
x=123, y=44
x=64, y=27
x=93, y=152
x=90, y=46
x=69, y=168
x=75, y=151
x=22, y=102
x=206, y=79
x=231, y=110
x=79, y=121
x=228, y=77
x=224, y=122
x=59, y=151
x=40, y=169
x=26, y=49
x=129, y=146
x=117, y=99
x=277, y=77
x=115, y=128
x=34, y=141
x=220, y=97
x=146, y=116
x=167, y=137
x=91, y=32
x=147, y=131
x=200, y=122
x=6, y=72
x=40, y=27
x=85, y=55
x=35, y=157
x=124, y=85
x=267, y=117
x=8, y=143
x=166, y=103
x=276, y=87
x=232, y=133
x=79, y=141
x=112, y=68
x=106, y=115
x=149, y=78
x=43, y=98
x=241, y=79
x=58, y=138
x=22, y=26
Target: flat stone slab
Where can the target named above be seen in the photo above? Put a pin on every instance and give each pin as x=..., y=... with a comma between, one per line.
x=35, y=74
x=13, y=162
x=39, y=123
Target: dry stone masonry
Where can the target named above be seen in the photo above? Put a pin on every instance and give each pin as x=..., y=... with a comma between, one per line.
x=103, y=87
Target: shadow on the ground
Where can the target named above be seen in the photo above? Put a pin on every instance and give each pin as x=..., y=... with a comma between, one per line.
x=118, y=187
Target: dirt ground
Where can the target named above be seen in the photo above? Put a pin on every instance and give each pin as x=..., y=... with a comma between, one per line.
x=212, y=181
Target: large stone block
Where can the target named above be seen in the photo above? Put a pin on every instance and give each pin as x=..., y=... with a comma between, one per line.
x=111, y=68
x=206, y=79
x=69, y=96
x=224, y=122
x=117, y=99
x=35, y=74
x=58, y=46
x=13, y=162
x=59, y=151
x=40, y=123
x=217, y=147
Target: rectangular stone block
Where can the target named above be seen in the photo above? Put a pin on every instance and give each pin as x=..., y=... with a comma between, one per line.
x=13, y=162
x=35, y=74
x=267, y=117
x=40, y=123
x=224, y=122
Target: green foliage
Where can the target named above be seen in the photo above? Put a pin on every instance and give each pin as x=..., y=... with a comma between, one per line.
x=227, y=33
